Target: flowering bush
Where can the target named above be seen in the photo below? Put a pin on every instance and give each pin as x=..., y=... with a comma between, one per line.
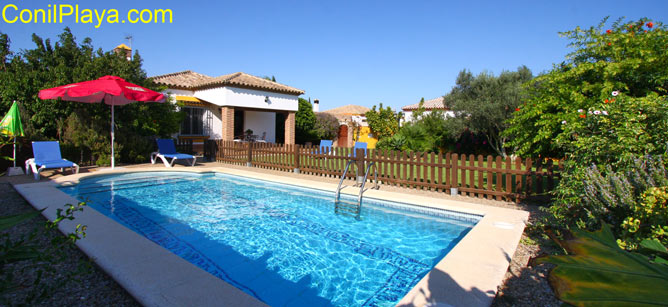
x=615, y=129
x=648, y=219
x=600, y=109
x=594, y=194
x=607, y=63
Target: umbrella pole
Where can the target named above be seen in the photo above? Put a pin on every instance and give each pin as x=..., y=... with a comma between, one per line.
x=14, y=150
x=112, y=136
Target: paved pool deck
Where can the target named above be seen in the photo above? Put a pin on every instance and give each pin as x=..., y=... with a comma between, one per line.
x=467, y=276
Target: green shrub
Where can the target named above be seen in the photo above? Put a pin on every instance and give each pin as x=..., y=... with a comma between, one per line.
x=608, y=194
x=648, y=219
x=396, y=142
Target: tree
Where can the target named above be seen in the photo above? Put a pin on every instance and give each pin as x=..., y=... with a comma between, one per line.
x=605, y=110
x=304, y=122
x=23, y=74
x=326, y=126
x=628, y=58
x=483, y=103
x=383, y=122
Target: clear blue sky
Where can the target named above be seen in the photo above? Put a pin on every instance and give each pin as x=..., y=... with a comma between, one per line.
x=346, y=52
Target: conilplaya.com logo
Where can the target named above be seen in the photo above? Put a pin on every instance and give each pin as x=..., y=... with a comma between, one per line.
x=60, y=13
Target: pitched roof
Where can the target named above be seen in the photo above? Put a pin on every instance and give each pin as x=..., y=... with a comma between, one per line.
x=191, y=80
x=123, y=46
x=349, y=110
x=431, y=104
x=183, y=79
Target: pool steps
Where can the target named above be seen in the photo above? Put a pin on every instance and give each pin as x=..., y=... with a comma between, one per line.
x=349, y=208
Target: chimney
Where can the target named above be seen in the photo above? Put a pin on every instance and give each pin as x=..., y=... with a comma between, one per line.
x=316, y=105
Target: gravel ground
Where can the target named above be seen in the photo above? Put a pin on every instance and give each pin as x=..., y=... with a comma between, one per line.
x=523, y=286
x=94, y=288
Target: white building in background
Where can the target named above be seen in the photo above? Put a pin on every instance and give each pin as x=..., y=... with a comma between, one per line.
x=224, y=107
x=429, y=106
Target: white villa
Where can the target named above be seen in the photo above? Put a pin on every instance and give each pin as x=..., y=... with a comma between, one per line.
x=224, y=107
x=429, y=106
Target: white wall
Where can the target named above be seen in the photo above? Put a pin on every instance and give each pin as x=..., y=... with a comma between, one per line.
x=216, y=123
x=179, y=92
x=261, y=122
x=246, y=98
x=408, y=115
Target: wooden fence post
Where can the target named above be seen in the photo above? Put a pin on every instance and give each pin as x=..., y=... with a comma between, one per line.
x=529, y=176
x=539, y=176
x=509, y=179
x=499, y=182
x=249, y=163
x=296, y=168
x=453, y=176
x=490, y=176
x=359, y=157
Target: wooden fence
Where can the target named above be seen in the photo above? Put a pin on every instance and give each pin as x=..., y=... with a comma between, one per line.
x=474, y=176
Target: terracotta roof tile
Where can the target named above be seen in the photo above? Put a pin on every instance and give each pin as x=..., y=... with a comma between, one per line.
x=431, y=104
x=182, y=79
x=348, y=110
x=192, y=80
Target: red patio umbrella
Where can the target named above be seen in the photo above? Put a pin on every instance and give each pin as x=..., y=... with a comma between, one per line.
x=110, y=89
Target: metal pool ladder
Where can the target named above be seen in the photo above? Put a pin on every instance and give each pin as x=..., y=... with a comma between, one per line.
x=351, y=208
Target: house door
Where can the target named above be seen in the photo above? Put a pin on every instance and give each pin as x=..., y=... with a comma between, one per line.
x=343, y=136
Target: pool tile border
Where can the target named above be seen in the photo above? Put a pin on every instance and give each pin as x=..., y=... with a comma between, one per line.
x=468, y=276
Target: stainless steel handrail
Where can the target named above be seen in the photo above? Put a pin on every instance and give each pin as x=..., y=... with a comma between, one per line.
x=343, y=176
x=375, y=178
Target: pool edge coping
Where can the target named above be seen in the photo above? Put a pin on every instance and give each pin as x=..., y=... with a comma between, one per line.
x=468, y=275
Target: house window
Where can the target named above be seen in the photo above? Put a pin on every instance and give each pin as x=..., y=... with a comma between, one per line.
x=193, y=124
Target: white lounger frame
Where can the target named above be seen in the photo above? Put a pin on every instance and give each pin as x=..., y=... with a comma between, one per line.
x=155, y=155
x=31, y=166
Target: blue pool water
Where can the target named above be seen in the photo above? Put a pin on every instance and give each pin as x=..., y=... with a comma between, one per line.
x=282, y=244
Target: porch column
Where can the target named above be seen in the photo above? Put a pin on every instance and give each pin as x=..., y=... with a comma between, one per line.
x=290, y=128
x=227, y=118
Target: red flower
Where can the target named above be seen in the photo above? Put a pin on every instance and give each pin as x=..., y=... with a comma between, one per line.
x=650, y=24
x=609, y=44
x=613, y=100
x=606, y=101
x=583, y=116
x=608, y=31
x=517, y=109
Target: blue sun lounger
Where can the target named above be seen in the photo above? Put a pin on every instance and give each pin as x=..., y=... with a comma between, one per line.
x=167, y=150
x=47, y=156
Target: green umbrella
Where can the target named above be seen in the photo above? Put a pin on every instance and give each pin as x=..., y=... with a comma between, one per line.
x=11, y=125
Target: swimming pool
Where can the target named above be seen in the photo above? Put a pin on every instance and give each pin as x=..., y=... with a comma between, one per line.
x=282, y=244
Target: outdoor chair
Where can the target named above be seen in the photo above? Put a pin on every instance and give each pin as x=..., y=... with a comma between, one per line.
x=361, y=145
x=167, y=150
x=47, y=156
x=327, y=144
x=262, y=139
